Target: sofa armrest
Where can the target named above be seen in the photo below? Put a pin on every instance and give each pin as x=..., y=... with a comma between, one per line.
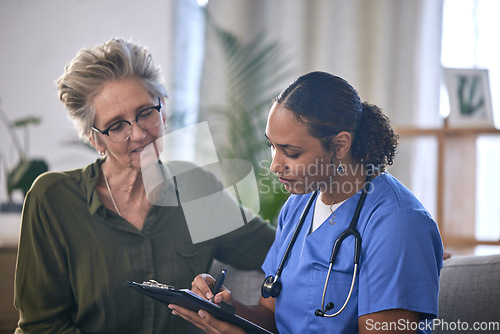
x=469, y=291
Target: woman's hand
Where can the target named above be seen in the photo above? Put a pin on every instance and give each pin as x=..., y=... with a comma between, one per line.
x=203, y=284
x=205, y=321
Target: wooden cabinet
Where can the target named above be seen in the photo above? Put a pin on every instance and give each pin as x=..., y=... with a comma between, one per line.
x=8, y=314
x=456, y=181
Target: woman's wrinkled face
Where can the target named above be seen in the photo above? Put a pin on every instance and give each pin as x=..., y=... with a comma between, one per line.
x=123, y=100
x=298, y=159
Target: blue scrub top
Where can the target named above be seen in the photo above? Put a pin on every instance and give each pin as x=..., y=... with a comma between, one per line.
x=401, y=257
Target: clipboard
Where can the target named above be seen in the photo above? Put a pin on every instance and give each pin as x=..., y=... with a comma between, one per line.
x=167, y=294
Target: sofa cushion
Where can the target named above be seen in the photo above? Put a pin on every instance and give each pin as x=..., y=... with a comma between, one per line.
x=469, y=293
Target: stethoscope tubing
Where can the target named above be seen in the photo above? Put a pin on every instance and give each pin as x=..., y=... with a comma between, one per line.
x=296, y=233
x=351, y=230
x=323, y=310
x=272, y=287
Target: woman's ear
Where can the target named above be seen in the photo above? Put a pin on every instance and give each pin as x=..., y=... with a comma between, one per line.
x=342, y=143
x=164, y=119
x=94, y=141
x=164, y=114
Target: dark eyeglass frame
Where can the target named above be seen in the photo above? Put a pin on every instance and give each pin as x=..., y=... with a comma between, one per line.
x=106, y=131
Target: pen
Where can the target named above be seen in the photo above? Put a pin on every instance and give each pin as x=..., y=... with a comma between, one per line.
x=218, y=283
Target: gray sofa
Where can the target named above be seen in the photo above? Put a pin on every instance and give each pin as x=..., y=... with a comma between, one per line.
x=470, y=295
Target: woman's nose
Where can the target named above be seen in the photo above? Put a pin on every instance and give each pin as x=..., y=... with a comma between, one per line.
x=136, y=132
x=277, y=165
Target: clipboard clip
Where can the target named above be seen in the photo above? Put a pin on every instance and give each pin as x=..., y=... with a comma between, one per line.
x=155, y=284
x=224, y=307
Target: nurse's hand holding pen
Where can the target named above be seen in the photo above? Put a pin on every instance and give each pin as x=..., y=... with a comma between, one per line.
x=203, y=285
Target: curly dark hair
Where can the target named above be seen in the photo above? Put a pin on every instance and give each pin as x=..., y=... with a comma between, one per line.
x=329, y=105
x=375, y=141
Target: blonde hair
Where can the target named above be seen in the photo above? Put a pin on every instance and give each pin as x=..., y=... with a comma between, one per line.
x=92, y=67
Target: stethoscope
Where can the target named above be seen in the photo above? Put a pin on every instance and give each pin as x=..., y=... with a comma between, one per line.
x=272, y=286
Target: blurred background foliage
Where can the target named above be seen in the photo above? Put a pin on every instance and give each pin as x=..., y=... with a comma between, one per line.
x=254, y=73
x=20, y=176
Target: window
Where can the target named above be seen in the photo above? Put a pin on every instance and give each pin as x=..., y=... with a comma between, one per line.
x=469, y=41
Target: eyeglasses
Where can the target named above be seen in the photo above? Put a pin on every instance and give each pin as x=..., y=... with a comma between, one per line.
x=120, y=131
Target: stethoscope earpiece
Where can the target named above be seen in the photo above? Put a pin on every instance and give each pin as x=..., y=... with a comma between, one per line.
x=271, y=287
x=320, y=313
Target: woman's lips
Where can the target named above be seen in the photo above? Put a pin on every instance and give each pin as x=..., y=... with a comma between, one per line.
x=138, y=150
x=285, y=181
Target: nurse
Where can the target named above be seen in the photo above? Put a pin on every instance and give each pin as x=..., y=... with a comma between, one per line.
x=323, y=137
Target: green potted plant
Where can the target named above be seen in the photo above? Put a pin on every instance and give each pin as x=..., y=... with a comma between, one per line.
x=254, y=72
x=25, y=171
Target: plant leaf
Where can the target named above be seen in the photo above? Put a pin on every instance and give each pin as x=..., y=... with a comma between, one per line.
x=30, y=120
x=253, y=72
x=22, y=176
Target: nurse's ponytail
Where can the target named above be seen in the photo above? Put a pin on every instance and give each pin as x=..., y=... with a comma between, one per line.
x=375, y=141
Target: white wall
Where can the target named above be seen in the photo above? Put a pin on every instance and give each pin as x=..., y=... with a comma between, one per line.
x=378, y=46
x=388, y=50
x=38, y=38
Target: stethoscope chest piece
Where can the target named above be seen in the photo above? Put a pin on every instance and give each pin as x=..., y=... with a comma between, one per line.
x=271, y=287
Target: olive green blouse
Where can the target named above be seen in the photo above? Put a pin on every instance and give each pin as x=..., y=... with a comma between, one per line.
x=75, y=256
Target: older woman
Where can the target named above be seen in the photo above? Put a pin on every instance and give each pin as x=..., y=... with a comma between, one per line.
x=85, y=232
